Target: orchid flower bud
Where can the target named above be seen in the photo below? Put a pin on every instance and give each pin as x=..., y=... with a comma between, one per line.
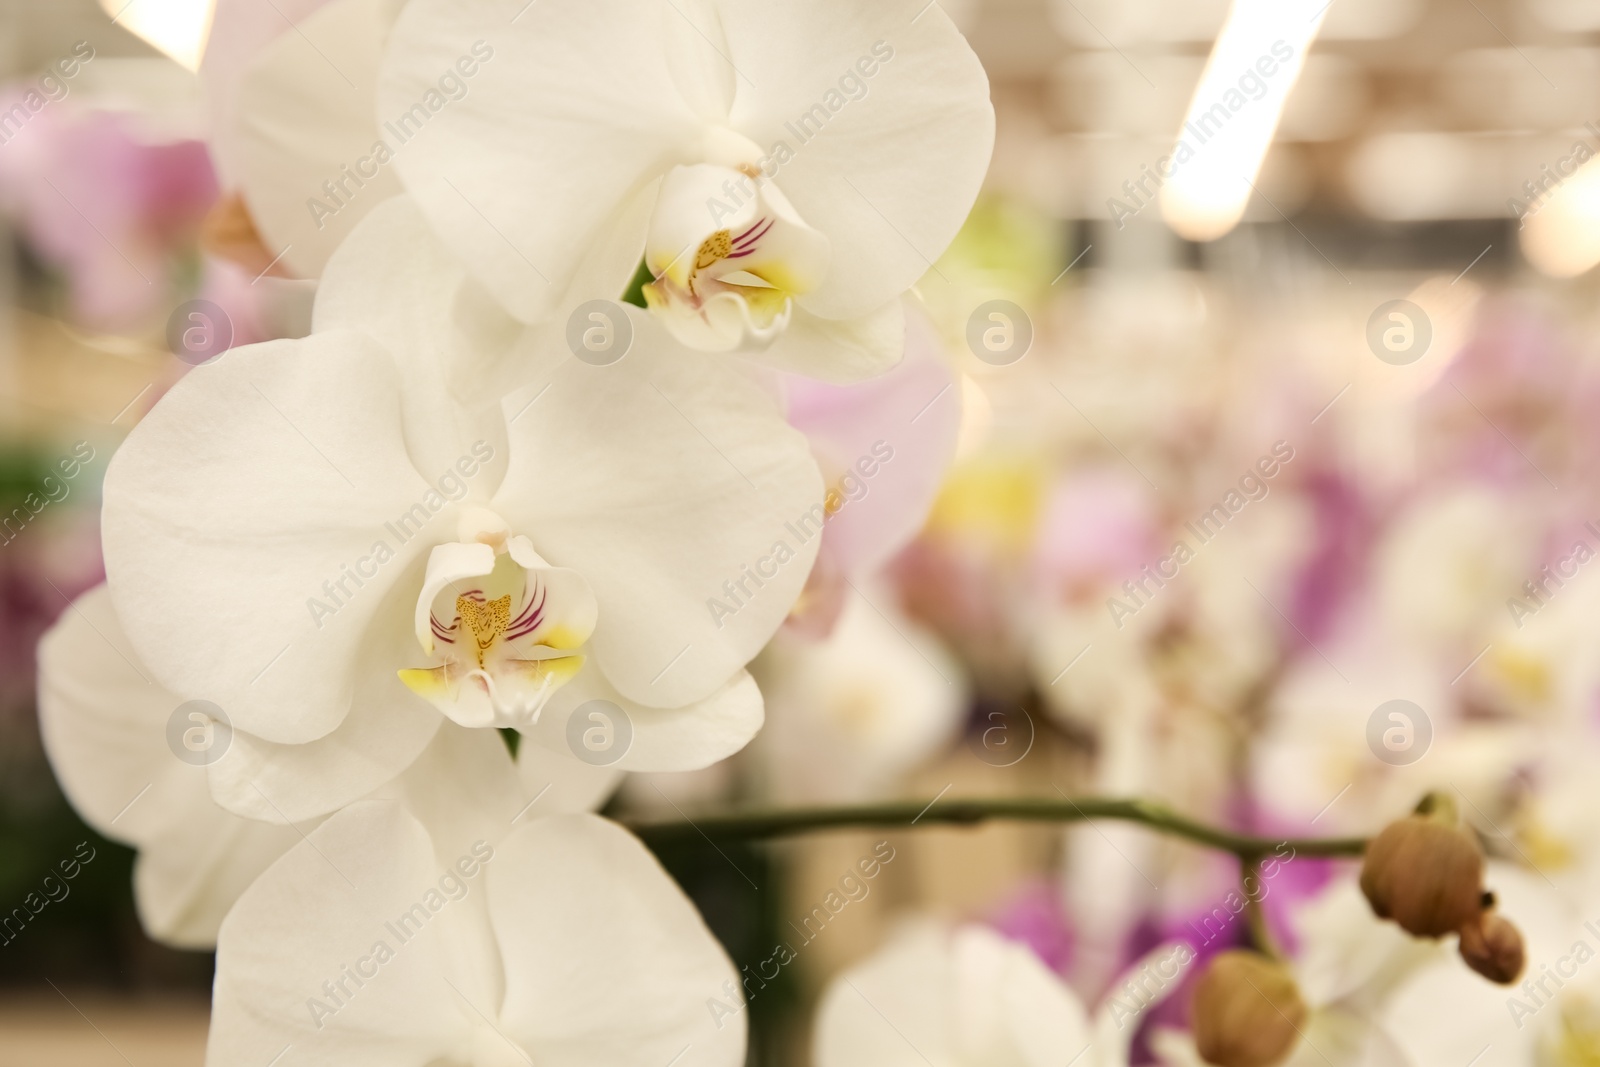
x=1247, y=1011
x=1425, y=871
x=1493, y=947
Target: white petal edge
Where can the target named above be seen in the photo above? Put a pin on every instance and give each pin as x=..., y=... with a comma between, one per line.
x=302, y=116
x=607, y=962
x=662, y=739
x=659, y=479
x=255, y=483
x=104, y=727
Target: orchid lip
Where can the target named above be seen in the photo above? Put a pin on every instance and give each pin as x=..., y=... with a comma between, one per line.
x=728, y=255
x=501, y=624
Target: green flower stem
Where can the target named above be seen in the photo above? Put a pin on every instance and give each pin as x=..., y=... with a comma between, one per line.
x=1255, y=917
x=764, y=824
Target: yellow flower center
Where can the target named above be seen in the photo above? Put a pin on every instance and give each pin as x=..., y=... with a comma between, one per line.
x=713, y=249
x=487, y=621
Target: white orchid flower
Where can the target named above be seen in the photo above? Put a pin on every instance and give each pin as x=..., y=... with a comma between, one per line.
x=849, y=715
x=557, y=940
x=291, y=94
x=786, y=171
x=971, y=998
x=1447, y=562
x=107, y=728
x=1315, y=744
x=345, y=540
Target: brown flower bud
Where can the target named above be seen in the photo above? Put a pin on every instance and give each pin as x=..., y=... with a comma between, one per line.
x=1492, y=946
x=1247, y=1011
x=1425, y=872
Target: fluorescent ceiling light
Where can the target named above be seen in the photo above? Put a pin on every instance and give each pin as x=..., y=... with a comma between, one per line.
x=1210, y=176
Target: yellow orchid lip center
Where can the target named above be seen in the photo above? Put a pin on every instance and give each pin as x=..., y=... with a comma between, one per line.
x=502, y=626
x=487, y=620
x=728, y=255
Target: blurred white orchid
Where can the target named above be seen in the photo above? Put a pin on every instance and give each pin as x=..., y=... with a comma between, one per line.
x=848, y=715
x=495, y=942
x=304, y=529
x=786, y=172
x=1449, y=562
x=971, y=998
x=105, y=727
x=1318, y=741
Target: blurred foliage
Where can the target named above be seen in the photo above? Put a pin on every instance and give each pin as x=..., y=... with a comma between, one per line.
x=738, y=889
x=91, y=934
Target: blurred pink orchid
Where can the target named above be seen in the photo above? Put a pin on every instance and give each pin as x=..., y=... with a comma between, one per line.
x=1518, y=402
x=112, y=209
x=884, y=446
x=1099, y=526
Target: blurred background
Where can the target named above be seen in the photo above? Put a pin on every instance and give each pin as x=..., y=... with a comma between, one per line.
x=1238, y=474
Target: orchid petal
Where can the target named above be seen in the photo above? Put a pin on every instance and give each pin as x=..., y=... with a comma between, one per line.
x=104, y=726
x=458, y=352
x=593, y=81
x=301, y=119
x=607, y=963
x=325, y=906
x=240, y=31
x=939, y=996
x=684, y=738
x=557, y=783
x=629, y=93
x=384, y=733
x=891, y=175
x=839, y=350
x=690, y=477
x=884, y=447
x=201, y=489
